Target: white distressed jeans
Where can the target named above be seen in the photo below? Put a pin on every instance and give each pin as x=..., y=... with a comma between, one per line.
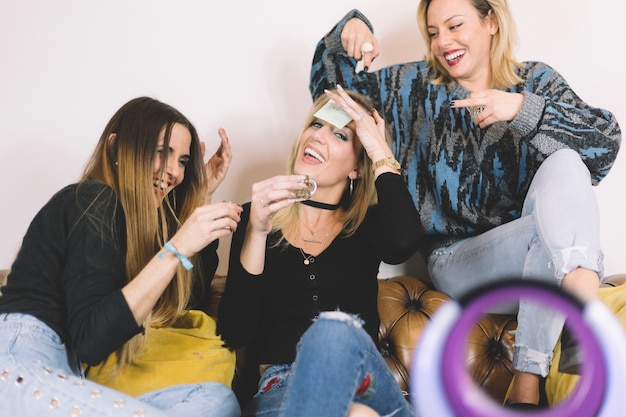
x=557, y=232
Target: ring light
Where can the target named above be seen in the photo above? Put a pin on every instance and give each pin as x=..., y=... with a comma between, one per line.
x=445, y=389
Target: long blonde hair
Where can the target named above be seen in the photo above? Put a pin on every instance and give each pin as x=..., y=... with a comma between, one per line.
x=123, y=160
x=501, y=57
x=363, y=194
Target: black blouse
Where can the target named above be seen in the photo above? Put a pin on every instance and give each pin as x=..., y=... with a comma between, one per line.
x=70, y=270
x=271, y=311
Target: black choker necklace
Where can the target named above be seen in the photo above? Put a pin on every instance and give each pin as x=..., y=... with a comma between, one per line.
x=323, y=206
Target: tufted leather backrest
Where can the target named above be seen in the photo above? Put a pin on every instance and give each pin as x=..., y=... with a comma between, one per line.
x=406, y=305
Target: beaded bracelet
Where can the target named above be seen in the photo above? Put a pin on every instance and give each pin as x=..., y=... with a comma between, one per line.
x=169, y=247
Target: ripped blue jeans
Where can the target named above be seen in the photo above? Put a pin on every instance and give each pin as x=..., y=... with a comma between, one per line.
x=557, y=232
x=337, y=364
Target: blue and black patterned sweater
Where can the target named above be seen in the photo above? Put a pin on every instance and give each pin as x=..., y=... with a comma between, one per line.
x=465, y=179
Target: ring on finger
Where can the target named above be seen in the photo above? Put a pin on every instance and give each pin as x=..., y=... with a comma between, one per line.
x=474, y=111
x=263, y=203
x=367, y=47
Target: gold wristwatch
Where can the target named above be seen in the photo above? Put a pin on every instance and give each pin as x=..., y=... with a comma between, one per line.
x=390, y=162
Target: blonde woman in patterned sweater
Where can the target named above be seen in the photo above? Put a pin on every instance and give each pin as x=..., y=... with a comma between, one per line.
x=500, y=157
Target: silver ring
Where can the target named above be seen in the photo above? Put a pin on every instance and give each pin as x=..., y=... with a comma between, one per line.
x=367, y=47
x=263, y=203
x=474, y=111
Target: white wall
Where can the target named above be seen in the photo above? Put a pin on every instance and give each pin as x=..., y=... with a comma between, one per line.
x=67, y=65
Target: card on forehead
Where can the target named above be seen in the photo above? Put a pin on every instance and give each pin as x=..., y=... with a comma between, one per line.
x=333, y=114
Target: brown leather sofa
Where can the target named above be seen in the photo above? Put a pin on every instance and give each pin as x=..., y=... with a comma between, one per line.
x=406, y=304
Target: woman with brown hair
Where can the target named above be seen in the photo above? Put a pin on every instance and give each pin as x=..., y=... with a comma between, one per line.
x=124, y=249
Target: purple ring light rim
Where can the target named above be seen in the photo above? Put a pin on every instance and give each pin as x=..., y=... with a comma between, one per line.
x=588, y=394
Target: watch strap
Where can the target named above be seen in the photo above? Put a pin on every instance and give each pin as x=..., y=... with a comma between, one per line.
x=390, y=162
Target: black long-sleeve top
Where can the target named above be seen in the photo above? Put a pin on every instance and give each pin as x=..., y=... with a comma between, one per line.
x=70, y=270
x=271, y=311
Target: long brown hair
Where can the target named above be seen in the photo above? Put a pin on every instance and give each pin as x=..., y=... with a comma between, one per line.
x=123, y=160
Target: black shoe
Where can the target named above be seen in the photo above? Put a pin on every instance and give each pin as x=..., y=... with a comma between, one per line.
x=571, y=356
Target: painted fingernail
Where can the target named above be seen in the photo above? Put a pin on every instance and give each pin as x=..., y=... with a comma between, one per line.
x=366, y=68
x=452, y=104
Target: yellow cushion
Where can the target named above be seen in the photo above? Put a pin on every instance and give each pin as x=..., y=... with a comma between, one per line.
x=558, y=385
x=188, y=352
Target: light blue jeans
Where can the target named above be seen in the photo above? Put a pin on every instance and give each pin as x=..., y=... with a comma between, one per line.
x=39, y=376
x=557, y=232
x=337, y=364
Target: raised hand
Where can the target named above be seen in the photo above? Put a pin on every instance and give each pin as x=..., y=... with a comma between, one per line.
x=359, y=42
x=217, y=166
x=370, y=129
x=206, y=224
x=269, y=196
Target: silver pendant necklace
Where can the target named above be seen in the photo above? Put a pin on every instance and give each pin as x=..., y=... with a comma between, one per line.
x=307, y=259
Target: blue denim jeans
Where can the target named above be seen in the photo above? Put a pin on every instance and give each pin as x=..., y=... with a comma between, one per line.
x=38, y=376
x=337, y=364
x=208, y=399
x=557, y=232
